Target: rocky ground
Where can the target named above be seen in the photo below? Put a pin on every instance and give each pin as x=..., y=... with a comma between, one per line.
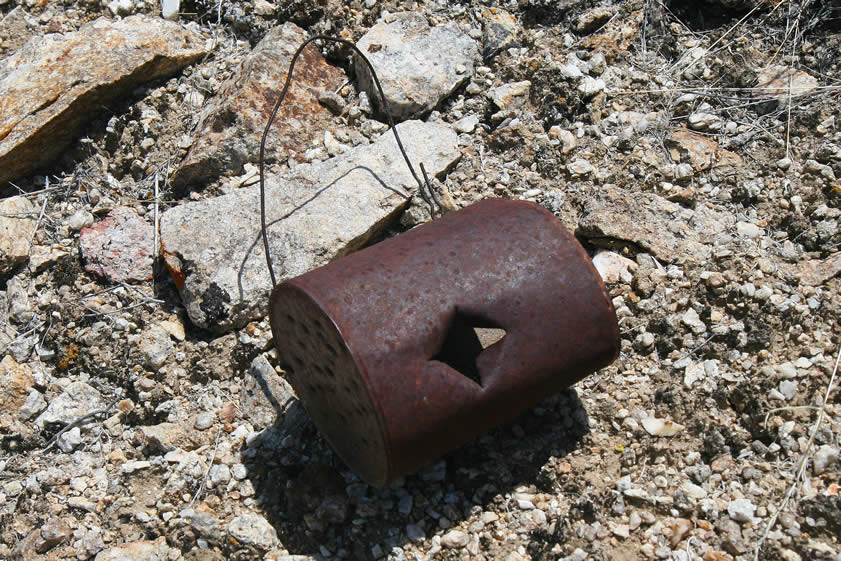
x=693, y=147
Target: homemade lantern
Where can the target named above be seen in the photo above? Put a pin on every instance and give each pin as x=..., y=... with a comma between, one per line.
x=385, y=347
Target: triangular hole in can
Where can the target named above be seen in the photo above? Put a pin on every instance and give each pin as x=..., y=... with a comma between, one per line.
x=467, y=336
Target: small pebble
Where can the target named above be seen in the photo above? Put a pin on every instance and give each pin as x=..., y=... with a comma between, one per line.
x=591, y=86
x=748, y=230
x=68, y=441
x=824, y=458
x=219, y=473
x=622, y=530
x=239, y=471
x=205, y=420
x=455, y=539
x=580, y=167
x=466, y=124
x=80, y=219
x=405, y=504
x=415, y=532
x=170, y=9
x=788, y=389
x=741, y=510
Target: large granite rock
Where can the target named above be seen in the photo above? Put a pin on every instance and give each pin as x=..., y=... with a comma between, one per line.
x=418, y=66
x=52, y=86
x=231, y=124
x=317, y=212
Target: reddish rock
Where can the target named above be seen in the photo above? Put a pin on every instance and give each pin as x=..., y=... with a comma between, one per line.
x=700, y=151
x=120, y=247
x=231, y=125
x=52, y=86
x=680, y=528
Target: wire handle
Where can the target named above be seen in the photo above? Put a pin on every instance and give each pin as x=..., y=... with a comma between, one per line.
x=386, y=109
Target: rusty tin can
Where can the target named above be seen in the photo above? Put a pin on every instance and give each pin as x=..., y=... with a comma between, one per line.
x=384, y=347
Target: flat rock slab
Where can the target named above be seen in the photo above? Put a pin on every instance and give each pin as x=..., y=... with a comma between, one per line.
x=52, y=86
x=120, y=247
x=77, y=400
x=418, y=66
x=18, y=217
x=317, y=212
x=231, y=124
x=781, y=82
x=700, y=151
x=674, y=234
x=815, y=272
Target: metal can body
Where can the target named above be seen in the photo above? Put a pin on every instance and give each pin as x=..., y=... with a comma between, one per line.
x=380, y=345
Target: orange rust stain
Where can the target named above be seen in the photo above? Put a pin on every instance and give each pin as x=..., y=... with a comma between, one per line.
x=178, y=276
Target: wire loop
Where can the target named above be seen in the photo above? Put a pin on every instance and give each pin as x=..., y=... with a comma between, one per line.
x=424, y=188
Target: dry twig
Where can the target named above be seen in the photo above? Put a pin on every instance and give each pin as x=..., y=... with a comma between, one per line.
x=206, y=473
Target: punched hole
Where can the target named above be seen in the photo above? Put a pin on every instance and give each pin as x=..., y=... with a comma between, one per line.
x=467, y=336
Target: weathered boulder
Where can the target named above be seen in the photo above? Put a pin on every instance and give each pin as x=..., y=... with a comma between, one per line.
x=315, y=213
x=418, y=66
x=231, y=124
x=52, y=86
